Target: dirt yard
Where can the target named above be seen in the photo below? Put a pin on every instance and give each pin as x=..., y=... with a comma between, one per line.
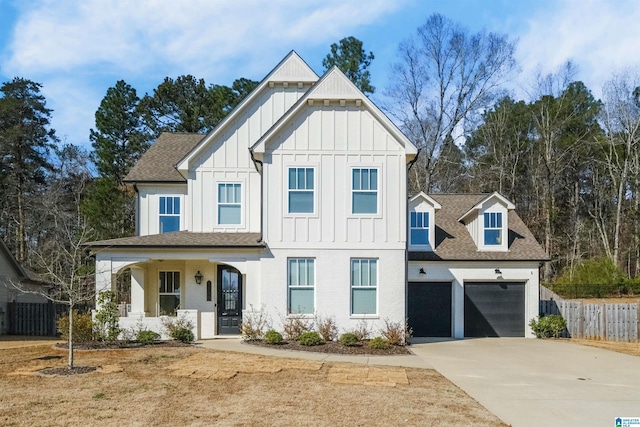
x=199, y=387
x=632, y=348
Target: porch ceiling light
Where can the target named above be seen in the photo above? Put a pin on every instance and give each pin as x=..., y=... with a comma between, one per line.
x=422, y=271
x=198, y=278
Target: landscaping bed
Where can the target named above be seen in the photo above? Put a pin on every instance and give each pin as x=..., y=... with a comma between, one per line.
x=334, y=347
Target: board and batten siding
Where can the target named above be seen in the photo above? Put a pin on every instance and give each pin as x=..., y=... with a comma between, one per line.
x=148, y=214
x=227, y=159
x=334, y=140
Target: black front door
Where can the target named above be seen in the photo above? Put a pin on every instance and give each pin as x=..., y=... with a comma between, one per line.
x=229, y=300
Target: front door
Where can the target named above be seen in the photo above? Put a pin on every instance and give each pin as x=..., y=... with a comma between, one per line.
x=229, y=300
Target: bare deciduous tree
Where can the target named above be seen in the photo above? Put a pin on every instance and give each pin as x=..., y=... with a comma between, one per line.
x=445, y=75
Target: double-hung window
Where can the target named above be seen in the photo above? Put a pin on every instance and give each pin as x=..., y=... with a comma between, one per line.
x=229, y=203
x=364, y=191
x=300, y=189
x=169, y=214
x=169, y=292
x=492, y=228
x=364, y=286
x=301, y=283
x=419, y=228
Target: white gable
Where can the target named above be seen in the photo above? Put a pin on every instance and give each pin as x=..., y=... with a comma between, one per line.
x=291, y=69
x=334, y=86
x=485, y=203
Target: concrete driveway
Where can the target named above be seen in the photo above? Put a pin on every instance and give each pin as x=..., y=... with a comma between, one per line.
x=529, y=382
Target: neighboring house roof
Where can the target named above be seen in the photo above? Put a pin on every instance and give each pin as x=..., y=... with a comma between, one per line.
x=334, y=85
x=183, y=239
x=453, y=241
x=20, y=273
x=157, y=164
x=291, y=69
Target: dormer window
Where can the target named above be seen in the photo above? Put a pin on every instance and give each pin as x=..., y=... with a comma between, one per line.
x=492, y=228
x=169, y=214
x=419, y=228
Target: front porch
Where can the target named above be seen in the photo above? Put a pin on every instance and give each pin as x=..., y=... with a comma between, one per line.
x=211, y=295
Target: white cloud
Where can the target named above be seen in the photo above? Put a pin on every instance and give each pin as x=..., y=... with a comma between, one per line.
x=73, y=47
x=141, y=36
x=600, y=37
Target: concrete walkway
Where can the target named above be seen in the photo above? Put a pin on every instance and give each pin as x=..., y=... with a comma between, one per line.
x=525, y=382
x=235, y=344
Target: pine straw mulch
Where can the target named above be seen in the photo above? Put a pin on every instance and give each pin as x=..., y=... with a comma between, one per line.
x=334, y=347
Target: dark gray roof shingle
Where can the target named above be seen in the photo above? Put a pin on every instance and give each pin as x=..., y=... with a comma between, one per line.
x=453, y=241
x=183, y=239
x=157, y=163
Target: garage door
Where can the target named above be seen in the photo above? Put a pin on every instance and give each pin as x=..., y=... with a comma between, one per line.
x=429, y=309
x=494, y=309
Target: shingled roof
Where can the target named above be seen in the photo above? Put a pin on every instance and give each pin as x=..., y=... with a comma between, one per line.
x=183, y=239
x=453, y=241
x=157, y=164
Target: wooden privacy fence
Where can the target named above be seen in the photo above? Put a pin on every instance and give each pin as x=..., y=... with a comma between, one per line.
x=37, y=319
x=611, y=322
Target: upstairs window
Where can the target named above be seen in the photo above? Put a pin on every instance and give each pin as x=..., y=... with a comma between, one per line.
x=229, y=203
x=301, y=283
x=300, y=190
x=169, y=214
x=364, y=191
x=419, y=228
x=492, y=228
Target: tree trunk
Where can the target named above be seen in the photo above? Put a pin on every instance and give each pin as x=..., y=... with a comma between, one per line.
x=70, y=343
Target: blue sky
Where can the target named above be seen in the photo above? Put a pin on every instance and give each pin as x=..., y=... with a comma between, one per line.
x=78, y=48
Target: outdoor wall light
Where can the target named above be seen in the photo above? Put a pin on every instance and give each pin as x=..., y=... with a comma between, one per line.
x=422, y=271
x=198, y=278
x=498, y=271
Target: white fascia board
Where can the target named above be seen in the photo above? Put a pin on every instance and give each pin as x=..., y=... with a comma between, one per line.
x=307, y=75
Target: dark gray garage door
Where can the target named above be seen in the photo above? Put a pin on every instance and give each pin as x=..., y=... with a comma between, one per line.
x=429, y=309
x=494, y=309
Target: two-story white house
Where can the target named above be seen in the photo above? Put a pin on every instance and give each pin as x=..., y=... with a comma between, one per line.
x=296, y=203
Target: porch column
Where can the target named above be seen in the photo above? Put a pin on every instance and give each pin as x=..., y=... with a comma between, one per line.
x=137, y=292
x=103, y=277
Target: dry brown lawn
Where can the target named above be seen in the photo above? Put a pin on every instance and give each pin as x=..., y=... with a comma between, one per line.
x=632, y=348
x=199, y=387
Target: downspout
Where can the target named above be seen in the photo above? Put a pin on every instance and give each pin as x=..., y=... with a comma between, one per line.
x=257, y=162
x=137, y=212
x=406, y=251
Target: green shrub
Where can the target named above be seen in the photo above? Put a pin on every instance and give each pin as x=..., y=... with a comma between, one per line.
x=379, y=343
x=82, y=327
x=182, y=334
x=348, y=339
x=146, y=337
x=273, y=337
x=310, y=338
x=551, y=326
